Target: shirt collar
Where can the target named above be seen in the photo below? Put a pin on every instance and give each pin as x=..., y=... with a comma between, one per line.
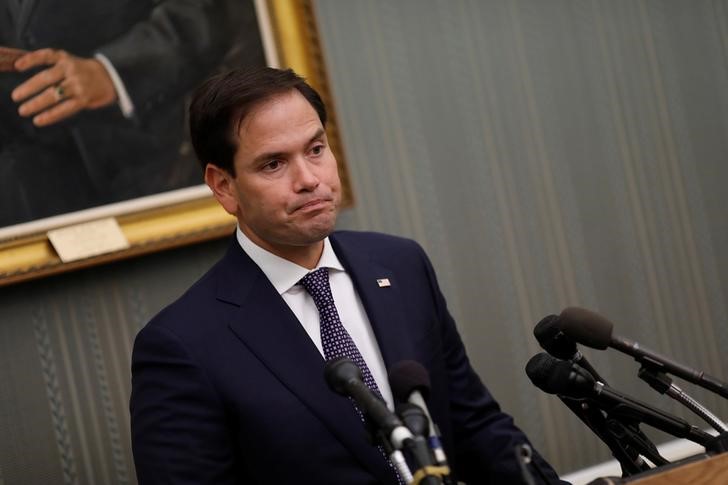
x=284, y=274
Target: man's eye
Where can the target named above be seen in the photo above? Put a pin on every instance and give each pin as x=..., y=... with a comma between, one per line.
x=317, y=149
x=272, y=165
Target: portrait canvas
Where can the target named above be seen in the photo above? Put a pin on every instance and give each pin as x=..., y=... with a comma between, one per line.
x=70, y=155
x=101, y=153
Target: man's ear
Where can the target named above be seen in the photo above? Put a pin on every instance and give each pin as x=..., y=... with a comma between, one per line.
x=223, y=187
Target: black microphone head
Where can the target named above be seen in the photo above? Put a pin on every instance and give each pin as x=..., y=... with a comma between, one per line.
x=555, y=376
x=552, y=339
x=414, y=418
x=586, y=327
x=408, y=376
x=340, y=373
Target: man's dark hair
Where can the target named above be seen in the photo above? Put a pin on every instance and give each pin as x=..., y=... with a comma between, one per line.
x=222, y=102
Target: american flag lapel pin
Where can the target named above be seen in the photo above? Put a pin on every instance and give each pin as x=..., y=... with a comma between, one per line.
x=384, y=282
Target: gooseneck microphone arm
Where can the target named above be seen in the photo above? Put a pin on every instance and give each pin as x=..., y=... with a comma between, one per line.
x=662, y=383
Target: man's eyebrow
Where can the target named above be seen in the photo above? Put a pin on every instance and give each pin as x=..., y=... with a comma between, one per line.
x=264, y=157
x=319, y=134
x=273, y=155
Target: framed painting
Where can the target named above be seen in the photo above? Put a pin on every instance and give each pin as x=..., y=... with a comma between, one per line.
x=57, y=177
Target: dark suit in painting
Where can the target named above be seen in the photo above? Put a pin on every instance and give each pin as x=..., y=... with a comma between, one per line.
x=228, y=388
x=160, y=49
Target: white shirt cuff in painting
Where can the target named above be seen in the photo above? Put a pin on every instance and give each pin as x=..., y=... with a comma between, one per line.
x=125, y=104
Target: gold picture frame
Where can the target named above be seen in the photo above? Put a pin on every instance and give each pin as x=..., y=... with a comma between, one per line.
x=291, y=29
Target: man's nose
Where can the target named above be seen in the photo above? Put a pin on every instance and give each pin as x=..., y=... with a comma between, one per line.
x=305, y=177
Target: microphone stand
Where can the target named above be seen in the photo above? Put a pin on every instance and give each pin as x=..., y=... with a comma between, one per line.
x=662, y=383
x=629, y=432
x=607, y=430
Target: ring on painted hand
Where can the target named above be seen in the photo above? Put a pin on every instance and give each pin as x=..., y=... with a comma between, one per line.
x=60, y=92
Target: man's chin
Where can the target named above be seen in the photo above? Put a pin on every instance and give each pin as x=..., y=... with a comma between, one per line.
x=317, y=230
x=318, y=233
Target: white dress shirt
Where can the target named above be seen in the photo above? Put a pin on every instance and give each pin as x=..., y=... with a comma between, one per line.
x=285, y=275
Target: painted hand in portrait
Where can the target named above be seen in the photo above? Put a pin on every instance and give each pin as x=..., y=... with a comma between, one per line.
x=93, y=97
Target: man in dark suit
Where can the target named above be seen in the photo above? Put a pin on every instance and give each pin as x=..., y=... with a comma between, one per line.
x=227, y=382
x=94, y=112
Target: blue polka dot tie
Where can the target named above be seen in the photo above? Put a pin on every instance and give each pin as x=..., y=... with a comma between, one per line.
x=335, y=340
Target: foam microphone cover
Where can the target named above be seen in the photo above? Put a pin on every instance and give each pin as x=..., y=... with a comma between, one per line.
x=552, y=339
x=555, y=376
x=406, y=377
x=548, y=373
x=586, y=327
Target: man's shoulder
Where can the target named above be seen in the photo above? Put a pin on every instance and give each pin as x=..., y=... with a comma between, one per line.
x=199, y=304
x=189, y=307
x=394, y=252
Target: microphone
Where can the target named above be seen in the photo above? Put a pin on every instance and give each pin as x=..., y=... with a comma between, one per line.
x=554, y=341
x=410, y=383
x=414, y=418
x=595, y=331
x=550, y=337
x=563, y=378
x=344, y=377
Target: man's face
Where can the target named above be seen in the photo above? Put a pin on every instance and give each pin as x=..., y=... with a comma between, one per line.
x=286, y=191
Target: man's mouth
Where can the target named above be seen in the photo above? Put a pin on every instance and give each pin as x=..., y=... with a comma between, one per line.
x=313, y=204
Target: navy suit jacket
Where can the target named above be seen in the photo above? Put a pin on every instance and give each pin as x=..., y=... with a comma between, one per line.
x=227, y=387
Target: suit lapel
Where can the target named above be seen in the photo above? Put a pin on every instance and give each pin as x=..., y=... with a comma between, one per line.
x=267, y=327
x=383, y=304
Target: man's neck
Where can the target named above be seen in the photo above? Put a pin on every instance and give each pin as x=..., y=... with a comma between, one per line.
x=307, y=256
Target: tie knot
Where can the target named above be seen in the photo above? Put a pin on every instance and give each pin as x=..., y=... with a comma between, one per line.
x=317, y=285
